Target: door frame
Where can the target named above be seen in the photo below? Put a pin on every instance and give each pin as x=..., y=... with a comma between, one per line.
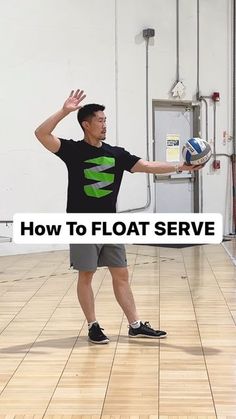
x=195, y=107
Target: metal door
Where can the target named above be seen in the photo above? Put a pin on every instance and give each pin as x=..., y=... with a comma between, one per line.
x=173, y=125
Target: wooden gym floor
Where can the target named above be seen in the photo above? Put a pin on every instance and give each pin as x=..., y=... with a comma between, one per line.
x=48, y=369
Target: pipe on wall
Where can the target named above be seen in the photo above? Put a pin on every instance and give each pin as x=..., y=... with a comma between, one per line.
x=233, y=157
x=148, y=202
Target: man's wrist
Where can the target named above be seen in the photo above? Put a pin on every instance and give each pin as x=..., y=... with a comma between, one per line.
x=65, y=112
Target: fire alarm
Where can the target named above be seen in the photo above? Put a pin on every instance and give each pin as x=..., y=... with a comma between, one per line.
x=215, y=96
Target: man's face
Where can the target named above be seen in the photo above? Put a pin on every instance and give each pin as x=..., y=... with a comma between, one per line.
x=96, y=126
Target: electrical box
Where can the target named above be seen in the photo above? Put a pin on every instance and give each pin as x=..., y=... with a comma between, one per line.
x=215, y=96
x=216, y=164
x=148, y=33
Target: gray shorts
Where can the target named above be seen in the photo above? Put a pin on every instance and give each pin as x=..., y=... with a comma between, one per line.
x=87, y=257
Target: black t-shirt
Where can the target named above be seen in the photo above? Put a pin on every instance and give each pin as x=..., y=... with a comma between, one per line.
x=94, y=175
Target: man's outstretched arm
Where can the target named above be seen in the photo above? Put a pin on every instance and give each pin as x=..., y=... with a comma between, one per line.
x=155, y=167
x=44, y=131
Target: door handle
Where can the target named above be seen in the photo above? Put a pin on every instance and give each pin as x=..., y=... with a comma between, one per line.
x=181, y=176
x=178, y=176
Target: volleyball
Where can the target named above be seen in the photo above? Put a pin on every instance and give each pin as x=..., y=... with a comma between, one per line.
x=196, y=151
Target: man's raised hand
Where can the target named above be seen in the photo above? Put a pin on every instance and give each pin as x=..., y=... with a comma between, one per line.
x=72, y=103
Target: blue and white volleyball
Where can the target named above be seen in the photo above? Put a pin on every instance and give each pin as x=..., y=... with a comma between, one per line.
x=196, y=151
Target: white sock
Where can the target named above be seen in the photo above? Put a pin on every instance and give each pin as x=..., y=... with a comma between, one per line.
x=135, y=325
x=91, y=323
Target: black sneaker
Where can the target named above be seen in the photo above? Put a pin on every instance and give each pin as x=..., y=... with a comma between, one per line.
x=96, y=335
x=146, y=331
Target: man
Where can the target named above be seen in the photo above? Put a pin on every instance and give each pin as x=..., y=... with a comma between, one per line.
x=95, y=172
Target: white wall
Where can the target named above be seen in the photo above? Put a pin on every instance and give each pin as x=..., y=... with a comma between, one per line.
x=49, y=47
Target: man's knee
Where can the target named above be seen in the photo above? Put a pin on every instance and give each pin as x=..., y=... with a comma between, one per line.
x=86, y=275
x=119, y=274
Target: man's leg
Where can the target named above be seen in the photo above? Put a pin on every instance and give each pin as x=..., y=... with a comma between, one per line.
x=85, y=295
x=86, y=299
x=84, y=258
x=125, y=298
x=123, y=292
x=114, y=256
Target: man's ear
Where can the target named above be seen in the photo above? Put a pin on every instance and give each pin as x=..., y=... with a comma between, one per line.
x=85, y=124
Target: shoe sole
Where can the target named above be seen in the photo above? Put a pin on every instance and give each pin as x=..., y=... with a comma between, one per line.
x=149, y=337
x=103, y=342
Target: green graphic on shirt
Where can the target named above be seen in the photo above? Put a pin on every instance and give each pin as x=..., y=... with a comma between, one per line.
x=102, y=179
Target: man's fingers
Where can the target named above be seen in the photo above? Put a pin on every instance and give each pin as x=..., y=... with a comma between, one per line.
x=77, y=92
x=197, y=167
x=192, y=167
x=76, y=96
x=81, y=92
x=82, y=98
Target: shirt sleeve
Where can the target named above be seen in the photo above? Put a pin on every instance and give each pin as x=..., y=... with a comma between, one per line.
x=64, y=152
x=128, y=160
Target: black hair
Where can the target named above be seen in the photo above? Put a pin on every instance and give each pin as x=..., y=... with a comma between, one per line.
x=88, y=111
